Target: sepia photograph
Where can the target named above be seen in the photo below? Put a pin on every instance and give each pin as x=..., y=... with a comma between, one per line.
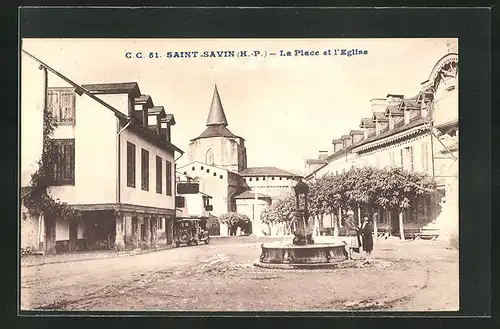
x=205, y=174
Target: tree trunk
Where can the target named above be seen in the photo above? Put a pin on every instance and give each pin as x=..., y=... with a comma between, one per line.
x=375, y=220
x=401, y=226
x=340, y=217
x=335, y=226
x=359, y=216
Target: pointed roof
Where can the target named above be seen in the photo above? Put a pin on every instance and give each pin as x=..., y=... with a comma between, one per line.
x=216, y=115
x=265, y=171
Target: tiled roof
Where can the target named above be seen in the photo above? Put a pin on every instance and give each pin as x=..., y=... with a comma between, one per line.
x=266, y=171
x=216, y=115
x=367, y=123
x=144, y=99
x=411, y=103
x=156, y=110
x=316, y=161
x=393, y=110
x=356, y=132
x=216, y=131
x=379, y=116
x=169, y=118
x=346, y=137
x=113, y=88
x=248, y=194
x=394, y=131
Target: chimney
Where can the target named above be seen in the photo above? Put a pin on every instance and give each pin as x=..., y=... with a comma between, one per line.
x=378, y=105
x=323, y=155
x=357, y=135
x=338, y=145
x=368, y=127
x=167, y=122
x=347, y=139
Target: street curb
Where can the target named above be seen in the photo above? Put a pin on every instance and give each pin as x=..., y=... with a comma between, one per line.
x=115, y=255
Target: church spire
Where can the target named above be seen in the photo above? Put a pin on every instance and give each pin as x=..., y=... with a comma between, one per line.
x=216, y=115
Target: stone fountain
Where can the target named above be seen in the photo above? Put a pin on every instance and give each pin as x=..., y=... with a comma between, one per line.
x=303, y=252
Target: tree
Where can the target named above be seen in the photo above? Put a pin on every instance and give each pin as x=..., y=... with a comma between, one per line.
x=392, y=189
x=235, y=220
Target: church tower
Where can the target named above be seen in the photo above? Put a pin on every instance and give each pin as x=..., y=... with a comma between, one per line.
x=217, y=146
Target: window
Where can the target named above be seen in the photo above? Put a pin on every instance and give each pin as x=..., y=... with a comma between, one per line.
x=272, y=178
x=130, y=164
x=201, y=167
x=159, y=177
x=144, y=170
x=61, y=103
x=160, y=223
x=185, y=173
x=281, y=178
x=250, y=179
x=168, y=178
x=215, y=174
x=193, y=168
x=392, y=161
x=256, y=179
x=208, y=170
x=64, y=163
x=209, y=157
x=411, y=162
x=401, y=163
x=425, y=156
x=180, y=202
x=221, y=177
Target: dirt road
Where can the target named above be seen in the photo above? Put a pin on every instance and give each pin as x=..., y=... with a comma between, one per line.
x=419, y=275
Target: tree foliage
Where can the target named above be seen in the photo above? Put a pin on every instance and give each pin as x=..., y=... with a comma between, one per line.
x=233, y=219
x=367, y=187
x=39, y=201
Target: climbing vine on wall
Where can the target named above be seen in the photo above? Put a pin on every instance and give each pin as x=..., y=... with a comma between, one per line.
x=39, y=201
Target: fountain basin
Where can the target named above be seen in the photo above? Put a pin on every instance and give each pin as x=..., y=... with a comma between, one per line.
x=315, y=254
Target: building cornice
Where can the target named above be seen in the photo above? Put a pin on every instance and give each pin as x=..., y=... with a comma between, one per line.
x=396, y=138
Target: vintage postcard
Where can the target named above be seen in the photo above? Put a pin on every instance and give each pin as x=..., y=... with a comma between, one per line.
x=239, y=174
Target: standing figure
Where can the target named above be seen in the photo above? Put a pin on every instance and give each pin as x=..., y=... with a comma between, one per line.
x=367, y=234
x=352, y=234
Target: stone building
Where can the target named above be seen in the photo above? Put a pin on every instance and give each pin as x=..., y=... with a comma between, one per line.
x=218, y=162
x=418, y=133
x=115, y=163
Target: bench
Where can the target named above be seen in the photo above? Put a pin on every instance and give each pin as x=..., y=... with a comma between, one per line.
x=427, y=234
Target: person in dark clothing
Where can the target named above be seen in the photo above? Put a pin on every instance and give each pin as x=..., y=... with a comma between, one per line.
x=367, y=234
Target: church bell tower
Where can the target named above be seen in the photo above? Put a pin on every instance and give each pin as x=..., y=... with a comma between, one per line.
x=217, y=145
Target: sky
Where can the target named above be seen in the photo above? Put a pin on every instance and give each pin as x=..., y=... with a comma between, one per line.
x=286, y=107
